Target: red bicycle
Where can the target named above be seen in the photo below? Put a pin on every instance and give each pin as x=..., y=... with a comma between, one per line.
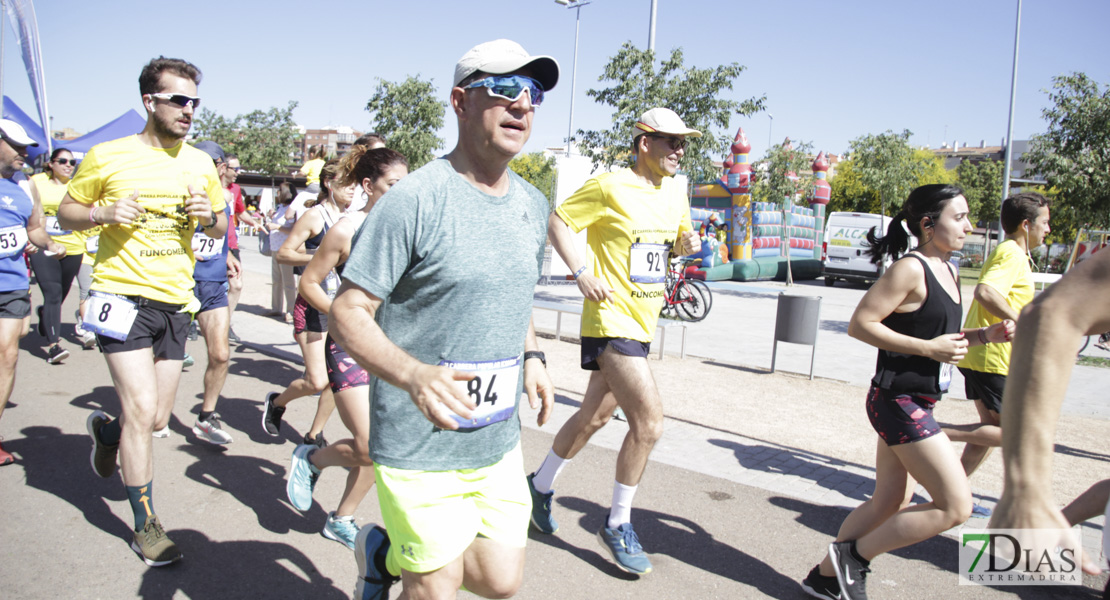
x=685, y=299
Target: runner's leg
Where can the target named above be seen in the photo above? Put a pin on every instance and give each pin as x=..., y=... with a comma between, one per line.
x=214, y=323
x=632, y=384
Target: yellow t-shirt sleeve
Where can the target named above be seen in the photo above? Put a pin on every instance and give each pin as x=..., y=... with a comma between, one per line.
x=88, y=184
x=584, y=207
x=1002, y=273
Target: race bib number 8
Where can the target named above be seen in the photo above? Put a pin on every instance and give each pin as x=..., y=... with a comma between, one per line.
x=647, y=263
x=206, y=248
x=109, y=315
x=12, y=240
x=493, y=390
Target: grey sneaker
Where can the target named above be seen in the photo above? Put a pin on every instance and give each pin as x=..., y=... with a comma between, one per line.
x=153, y=546
x=103, y=457
x=341, y=529
x=211, y=430
x=850, y=572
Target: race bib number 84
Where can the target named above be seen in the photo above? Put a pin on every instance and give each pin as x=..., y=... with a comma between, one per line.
x=647, y=263
x=493, y=390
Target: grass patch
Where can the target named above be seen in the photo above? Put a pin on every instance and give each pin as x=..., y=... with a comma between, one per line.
x=1094, y=361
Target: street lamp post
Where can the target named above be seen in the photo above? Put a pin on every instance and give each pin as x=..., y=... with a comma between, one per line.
x=577, y=6
x=770, y=128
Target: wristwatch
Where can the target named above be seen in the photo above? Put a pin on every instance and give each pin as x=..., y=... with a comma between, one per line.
x=214, y=221
x=536, y=354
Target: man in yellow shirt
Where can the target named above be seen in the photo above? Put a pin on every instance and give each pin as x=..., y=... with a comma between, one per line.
x=633, y=218
x=1005, y=286
x=148, y=193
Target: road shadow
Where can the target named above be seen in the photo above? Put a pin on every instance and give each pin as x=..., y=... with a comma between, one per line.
x=721, y=291
x=834, y=326
x=755, y=370
x=257, y=484
x=102, y=397
x=678, y=538
x=57, y=463
x=940, y=551
x=825, y=471
x=239, y=569
x=1082, y=453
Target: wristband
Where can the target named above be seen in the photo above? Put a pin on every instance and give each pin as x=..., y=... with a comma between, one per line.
x=536, y=354
x=92, y=215
x=982, y=337
x=579, y=272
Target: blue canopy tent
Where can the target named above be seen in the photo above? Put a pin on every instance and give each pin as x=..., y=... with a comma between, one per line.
x=129, y=123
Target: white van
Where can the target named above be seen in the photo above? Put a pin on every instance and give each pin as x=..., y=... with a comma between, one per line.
x=844, y=253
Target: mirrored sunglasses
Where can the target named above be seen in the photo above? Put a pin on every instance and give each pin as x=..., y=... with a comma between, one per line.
x=510, y=87
x=179, y=99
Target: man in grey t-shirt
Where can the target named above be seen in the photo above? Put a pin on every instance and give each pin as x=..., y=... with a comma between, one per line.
x=436, y=305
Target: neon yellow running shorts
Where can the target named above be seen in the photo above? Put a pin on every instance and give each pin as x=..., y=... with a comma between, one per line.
x=433, y=516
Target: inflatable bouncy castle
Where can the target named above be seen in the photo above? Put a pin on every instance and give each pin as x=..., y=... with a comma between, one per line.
x=757, y=235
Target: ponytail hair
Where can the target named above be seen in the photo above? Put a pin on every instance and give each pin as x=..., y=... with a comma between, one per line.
x=327, y=174
x=924, y=201
x=361, y=163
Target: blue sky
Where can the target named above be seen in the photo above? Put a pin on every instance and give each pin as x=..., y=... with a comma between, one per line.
x=831, y=70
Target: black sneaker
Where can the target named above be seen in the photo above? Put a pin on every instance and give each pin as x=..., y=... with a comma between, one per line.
x=56, y=354
x=271, y=415
x=850, y=572
x=232, y=336
x=318, y=441
x=819, y=586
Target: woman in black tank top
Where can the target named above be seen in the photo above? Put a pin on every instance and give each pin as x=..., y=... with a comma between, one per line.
x=912, y=315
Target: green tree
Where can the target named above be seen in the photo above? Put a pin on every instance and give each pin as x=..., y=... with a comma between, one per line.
x=409, y=116
x=781, y=182
x=264, y=140
x=930, y=168
x=848, y=192
x=639, y=84
x=1074, y=154
x=982, y=185
x=538, y=171
x=886, y=164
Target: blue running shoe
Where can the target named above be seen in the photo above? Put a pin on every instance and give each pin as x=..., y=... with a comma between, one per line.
x=625, y=547
x=541, y=509
x=302, y=478
x=371, y=548
x=341, y=529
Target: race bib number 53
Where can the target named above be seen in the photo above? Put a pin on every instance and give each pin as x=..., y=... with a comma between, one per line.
x=647, y=263
x=12, y=240
x=493, y=390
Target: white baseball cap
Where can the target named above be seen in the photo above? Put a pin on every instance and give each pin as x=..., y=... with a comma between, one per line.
x=505, y=56
x=662, y=120
x=14, y=133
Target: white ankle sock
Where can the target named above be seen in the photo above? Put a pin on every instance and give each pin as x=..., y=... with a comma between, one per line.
x=621, y=511
x=548, y=471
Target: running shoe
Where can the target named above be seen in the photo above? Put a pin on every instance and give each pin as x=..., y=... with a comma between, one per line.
x=978, y=510
x=162, y=433
x=211, y=430
x=88, y=340
x=188, y=361
x=153, y=545
x=79, y=326
x=371, y=548
x=6, y=457
x=232, y=336
x=625, y=547
x=271, y=415
x=541, y=509
x=1102, y=346
x=193, y=331
x=819, y=586
x=317, y=441
x=103, y=457
x=302, y=478
x=341, y=529
x=56, y=354
x=850, y=572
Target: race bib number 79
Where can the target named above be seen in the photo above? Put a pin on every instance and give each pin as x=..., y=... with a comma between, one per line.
x=493, y=390
x=647, y=263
